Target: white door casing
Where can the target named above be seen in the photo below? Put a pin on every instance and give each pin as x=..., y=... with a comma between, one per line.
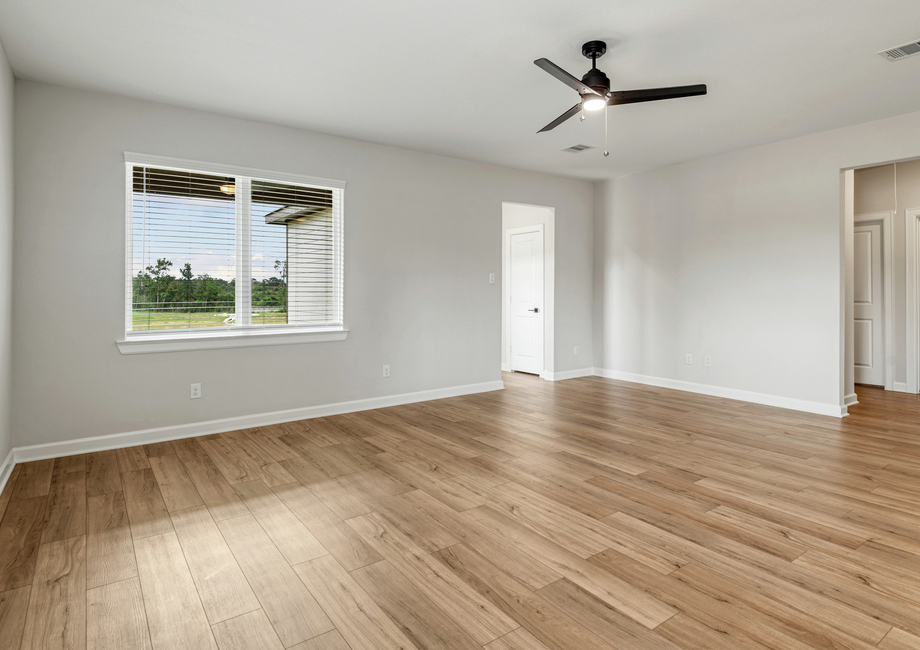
x=526, y=298
x=872, y=299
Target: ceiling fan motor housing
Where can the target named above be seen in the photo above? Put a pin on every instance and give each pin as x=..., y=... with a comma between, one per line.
x=597, y=80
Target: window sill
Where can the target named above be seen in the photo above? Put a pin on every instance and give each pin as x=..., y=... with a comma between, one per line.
x=148, y=344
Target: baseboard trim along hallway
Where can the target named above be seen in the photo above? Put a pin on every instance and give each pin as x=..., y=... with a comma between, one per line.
x=819, y=408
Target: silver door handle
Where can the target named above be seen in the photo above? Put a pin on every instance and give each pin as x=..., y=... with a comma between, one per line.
x=535, y=310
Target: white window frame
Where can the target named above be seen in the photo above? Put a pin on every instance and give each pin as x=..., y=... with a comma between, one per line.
x=243, y=335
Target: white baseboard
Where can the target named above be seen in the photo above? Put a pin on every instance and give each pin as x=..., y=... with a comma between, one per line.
x=900, y=387
x=506, y=367
x=7, y=468
x=850, y=400
x=568, y=374
x=177, y=432
x=820, y=408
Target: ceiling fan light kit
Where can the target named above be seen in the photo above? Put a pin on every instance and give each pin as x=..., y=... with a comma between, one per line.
x=593, y=102
x=594, y=88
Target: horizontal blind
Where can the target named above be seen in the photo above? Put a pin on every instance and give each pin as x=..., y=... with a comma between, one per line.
x=295, y=250
x=213, y=251
x=183, y=266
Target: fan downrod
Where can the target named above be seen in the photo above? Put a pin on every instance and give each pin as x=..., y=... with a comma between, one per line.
x=595, y=78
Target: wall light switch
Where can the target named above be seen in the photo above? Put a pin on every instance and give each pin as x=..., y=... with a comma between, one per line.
x=689, y=359
x=491, y=278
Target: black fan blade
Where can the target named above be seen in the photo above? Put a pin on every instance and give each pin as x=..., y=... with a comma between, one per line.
x=564, y=76
x=562, y=118
x=654, y=94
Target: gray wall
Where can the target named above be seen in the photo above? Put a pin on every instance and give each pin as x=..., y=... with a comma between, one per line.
x=6, y=251
x=893, y=188
x=422, y=234
x=739, y=256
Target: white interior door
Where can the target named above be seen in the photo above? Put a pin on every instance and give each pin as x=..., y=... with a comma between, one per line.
x=527, y=301
x=868, y=305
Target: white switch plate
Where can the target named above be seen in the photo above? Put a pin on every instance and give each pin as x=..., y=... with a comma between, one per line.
x=707, y=361
x=491, y=278
x=196, y=391
x=689, y=359
x=386, y=371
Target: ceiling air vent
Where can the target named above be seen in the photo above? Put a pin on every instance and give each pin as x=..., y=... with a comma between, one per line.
x=901, y=51
x=578, y=148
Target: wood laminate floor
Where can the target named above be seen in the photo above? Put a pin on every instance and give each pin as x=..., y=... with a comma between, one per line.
x=583, y=514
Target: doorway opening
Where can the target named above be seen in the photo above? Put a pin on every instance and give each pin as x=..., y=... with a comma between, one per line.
x=882, y=237
x=528, y=305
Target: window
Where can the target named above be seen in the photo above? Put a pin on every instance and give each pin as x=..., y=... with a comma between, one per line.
x=216, y=253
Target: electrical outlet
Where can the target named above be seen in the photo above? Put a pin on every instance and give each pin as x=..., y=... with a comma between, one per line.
x=386, y=370
x=707, y=361
x=491, y=278
x=196, y=391
x=689, y=359
x=576, y=350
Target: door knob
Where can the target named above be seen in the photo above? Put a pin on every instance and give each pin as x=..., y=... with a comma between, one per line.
x=535, y=310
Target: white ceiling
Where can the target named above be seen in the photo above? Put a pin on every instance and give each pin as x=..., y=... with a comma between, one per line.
x=457, y=77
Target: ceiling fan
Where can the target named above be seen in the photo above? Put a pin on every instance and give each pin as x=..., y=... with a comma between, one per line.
x=594, y=87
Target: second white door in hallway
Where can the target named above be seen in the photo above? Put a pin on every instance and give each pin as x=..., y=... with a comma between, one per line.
x=527, y=300
x=868, y=305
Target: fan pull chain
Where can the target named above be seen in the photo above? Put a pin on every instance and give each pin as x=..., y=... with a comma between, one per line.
x=582, y=111
x=606, y=153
